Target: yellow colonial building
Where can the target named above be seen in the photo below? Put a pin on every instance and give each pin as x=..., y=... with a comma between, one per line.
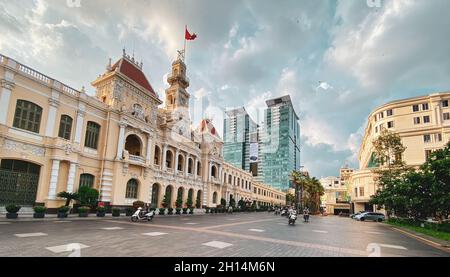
x=423, y=123
x=55, y=138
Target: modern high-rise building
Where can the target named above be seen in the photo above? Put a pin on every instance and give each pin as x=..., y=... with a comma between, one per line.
x=240, y=134
x=280, y=143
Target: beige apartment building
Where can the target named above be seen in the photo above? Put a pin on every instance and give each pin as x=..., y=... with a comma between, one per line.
x=423, y=124
x=55, y=138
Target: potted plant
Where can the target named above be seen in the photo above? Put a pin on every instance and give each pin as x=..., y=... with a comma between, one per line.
x=83, y=211
x=185, y=210
x=207, y=210
x=178, y=204
x=170, y=211
x=62, y=211
x=12, y=211
x=101, y=211
x=162, y=211
x=115, y=212
x=191, y=210
x=69, y=196
x=129, y=211
x=137, y=204
x=39, y=211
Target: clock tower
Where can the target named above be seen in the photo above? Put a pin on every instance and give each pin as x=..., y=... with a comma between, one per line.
x=176, y=95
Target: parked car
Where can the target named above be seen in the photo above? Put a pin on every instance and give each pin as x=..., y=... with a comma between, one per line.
x=378, y=217
x=353, y=216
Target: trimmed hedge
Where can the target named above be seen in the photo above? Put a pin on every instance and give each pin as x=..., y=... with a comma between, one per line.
x=443, y=227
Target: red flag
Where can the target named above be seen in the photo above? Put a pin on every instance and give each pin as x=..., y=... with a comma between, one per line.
x=188, y=35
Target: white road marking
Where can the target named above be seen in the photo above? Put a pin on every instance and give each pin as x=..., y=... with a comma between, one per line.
x=154, y=234
x=112, y=228
x=62, y=221
x=4, y=223
x=191, y=223
x=256, y=230
x=375, y=233
x=66, y=247
x=217, y=244
x=320, y=231
x=27, y=235
x=393, y=246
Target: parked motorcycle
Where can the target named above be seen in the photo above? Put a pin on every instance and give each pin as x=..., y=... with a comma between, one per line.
x=139, y=216
x=292, y=218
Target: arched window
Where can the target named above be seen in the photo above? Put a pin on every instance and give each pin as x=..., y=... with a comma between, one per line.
x=169, y=159
x=199, y=168
x=132, y=189
x=27, y=116
x=214, y=171
x=190, y=165
x=157, y=155
x=180, y=162
x=133, y=145
x=87, y=180
x=215, y=198
x=65, y=127
x=92, y=135
x=229, y=179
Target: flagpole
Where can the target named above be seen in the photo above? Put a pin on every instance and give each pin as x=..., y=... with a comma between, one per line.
x=185, y=44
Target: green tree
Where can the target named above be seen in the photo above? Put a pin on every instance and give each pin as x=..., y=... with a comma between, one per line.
x=223, y=202
x=87, y=196
x=232, y=202
x=290, y=198
x=179, y=202
x=165, y=202
x=69, y=196
x=189, y=202
x=314, y=190
x=438, y=166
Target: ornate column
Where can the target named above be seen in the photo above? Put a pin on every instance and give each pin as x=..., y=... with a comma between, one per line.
x=149, y=149
x=210, y=171
x=53, y=180
x=220, y=173
x=7, y=85
x=186, y=165
x=175, y=170
x=80, y=121
x=51, y=117
x=195, y=168
x=164, y=154
x=71, y=176
x=121, y=141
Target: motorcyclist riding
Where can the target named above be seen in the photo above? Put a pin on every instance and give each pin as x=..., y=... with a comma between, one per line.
x=306, y=214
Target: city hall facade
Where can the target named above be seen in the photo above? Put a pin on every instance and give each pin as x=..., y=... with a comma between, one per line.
x=54, y=138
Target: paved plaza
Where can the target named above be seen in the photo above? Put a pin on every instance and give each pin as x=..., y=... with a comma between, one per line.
x=236, y=235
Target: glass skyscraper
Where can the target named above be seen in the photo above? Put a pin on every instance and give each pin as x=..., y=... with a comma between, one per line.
x=279, y=143
x=239, y=132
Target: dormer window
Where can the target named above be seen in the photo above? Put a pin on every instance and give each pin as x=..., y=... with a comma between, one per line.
x=138, y=111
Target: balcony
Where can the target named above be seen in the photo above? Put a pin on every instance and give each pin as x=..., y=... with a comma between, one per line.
x=137, y=159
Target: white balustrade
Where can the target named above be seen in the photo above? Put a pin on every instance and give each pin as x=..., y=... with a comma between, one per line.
x=33, y=73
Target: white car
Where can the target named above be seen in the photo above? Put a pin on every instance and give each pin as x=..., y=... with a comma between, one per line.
x=358, y=216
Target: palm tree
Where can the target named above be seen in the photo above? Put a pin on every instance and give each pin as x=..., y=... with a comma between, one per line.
x=299, y=179
x=69, y=196
x=315, y=190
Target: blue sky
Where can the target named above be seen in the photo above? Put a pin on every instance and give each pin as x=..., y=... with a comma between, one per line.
x=337, y=59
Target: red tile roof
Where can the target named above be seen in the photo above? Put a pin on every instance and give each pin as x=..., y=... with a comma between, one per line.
x=135, y=74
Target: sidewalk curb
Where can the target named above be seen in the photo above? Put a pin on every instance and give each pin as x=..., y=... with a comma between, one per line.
x=436, y=243
x=75, y=217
